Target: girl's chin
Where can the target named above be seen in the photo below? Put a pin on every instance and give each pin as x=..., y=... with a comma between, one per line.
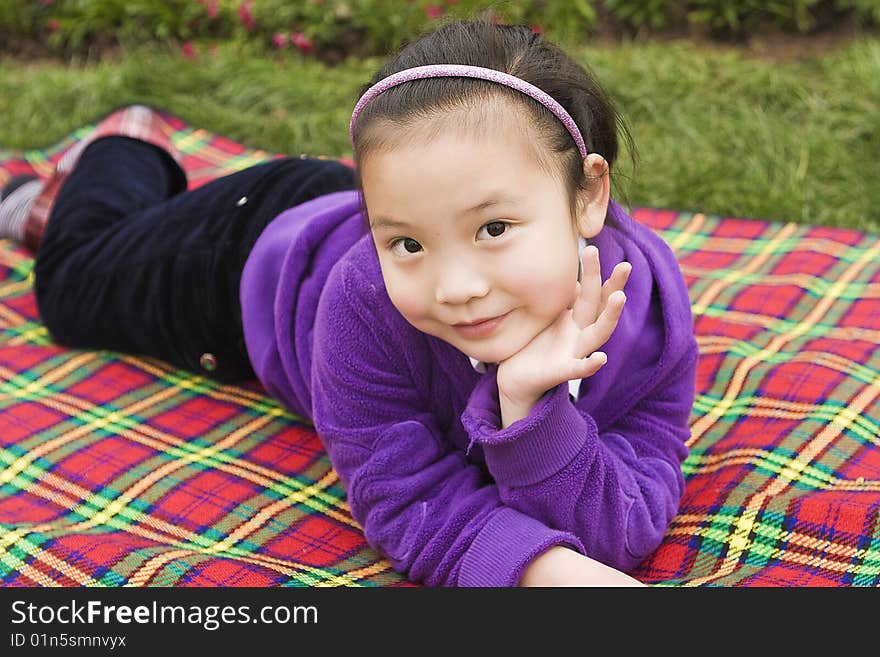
x=485, y=353
x=488, y=353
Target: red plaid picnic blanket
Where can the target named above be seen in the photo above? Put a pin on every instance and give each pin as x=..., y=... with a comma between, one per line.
x=118, y=469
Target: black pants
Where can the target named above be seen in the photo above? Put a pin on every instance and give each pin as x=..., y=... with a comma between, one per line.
x=132, y=262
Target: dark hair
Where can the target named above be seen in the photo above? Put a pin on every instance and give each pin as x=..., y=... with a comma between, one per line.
x=512, y=49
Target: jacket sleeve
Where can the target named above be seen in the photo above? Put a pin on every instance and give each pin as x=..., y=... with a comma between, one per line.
x=421, y=504
x=615, y=489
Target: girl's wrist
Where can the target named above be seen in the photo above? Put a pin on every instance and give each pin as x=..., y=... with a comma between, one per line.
x=513, y=410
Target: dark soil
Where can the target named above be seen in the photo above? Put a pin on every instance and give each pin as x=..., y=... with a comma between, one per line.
x=765, y=41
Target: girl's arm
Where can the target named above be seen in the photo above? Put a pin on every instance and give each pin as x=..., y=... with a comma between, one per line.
x=421, y=504
x=561, y=566
x=615, y=489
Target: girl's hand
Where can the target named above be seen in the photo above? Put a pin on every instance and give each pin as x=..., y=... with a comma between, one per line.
x=559, y=353
x=562, y=566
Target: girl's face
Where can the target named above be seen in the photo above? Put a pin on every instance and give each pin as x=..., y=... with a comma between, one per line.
x=469, y=229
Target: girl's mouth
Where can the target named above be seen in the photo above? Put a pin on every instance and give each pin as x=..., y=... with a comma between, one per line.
x=480, y=330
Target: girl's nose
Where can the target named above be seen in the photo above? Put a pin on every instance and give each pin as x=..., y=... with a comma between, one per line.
x=458, y=284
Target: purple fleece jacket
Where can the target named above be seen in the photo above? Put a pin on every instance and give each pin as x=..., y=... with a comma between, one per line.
x=413, y=431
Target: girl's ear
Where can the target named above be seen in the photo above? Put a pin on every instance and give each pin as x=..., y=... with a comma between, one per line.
x=593, y=203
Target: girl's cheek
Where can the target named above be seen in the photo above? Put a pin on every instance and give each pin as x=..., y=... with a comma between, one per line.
x=527, y=282
x=409, y=299
x=544, y=289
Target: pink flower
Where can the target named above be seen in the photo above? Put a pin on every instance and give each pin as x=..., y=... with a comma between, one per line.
x=279, y=40
x=46, y=3
x=189, y=50
x=212, y=8
x=537, y=29
x=433, y=11
x=52, y=25
x=244, y=13
x=302, y=42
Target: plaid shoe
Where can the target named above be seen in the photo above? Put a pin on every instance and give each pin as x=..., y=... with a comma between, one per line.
x=14, y=183
x=16, y=200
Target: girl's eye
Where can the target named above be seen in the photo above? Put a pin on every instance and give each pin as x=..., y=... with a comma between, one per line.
x=496, y=228
x=404, y=246
x=410, y=246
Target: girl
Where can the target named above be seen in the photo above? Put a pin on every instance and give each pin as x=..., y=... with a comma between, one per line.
x=438, y=312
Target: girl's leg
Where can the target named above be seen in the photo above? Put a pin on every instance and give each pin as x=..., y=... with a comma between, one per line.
x=128, y=264
x=93, y=286
x=136, y=121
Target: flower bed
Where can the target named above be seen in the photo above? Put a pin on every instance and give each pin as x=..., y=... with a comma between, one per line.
x=334, y=29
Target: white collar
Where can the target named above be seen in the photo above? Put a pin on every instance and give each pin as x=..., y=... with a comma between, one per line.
x=478, y=365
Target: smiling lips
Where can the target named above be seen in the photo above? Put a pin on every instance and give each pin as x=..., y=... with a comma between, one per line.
x=480, y=329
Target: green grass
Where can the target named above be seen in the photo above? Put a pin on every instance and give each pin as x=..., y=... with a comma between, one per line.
x=715, y=131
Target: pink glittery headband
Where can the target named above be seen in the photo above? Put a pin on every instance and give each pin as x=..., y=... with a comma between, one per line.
x=461, y=70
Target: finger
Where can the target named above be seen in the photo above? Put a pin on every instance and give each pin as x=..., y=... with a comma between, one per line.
x=589, y=366
x=597, y=334
x=617, y=281
x=586, y=305
x=574, y=297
